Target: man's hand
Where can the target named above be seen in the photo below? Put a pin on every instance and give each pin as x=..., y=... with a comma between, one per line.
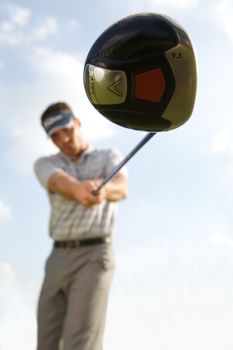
x=70, y=188
x=87, y=195
x=114, y=190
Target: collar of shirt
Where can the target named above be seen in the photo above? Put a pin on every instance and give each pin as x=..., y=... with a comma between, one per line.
x=80, y=157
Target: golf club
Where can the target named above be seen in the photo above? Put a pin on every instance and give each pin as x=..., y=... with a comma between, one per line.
x=141, y=74
x=126, y=159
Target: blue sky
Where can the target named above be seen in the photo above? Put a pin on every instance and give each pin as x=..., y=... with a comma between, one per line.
x=173, y=287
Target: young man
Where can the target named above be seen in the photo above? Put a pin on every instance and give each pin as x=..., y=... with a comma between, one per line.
x=73, y=300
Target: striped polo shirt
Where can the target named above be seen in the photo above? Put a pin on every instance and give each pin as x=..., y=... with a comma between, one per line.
x=69, y=219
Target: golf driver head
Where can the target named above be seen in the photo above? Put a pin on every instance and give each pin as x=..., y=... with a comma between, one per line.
x=141, y=73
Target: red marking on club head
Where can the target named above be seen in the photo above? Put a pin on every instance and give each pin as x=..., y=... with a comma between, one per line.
x=150, y=85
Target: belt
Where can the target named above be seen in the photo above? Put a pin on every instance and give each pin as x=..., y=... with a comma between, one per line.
x=80, y=243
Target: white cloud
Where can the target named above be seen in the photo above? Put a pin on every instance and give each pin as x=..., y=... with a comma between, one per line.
x=175, y=3
x=72, y=24
x=220, y=147
x=223, y=140
x=167, y=322
x=17, y=317
x=54, y=63
x=20, y=29
x=19, y=15
x=5, y=210
x=219, y=238
x=223, y=16
x=9, y=36
x=174, y=294
x=48, y=26
x=158, y=6
x=11, y=29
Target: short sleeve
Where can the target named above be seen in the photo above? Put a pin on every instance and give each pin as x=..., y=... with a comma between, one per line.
x=44, y=168
x=114, y=159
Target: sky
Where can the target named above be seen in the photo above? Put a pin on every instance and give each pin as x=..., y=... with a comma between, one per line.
x=173, y=286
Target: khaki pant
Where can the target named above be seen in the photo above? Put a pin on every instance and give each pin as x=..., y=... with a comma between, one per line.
x=73, y=300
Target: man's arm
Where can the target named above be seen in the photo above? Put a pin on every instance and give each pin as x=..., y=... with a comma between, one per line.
x=83, y=191
x=116, y=189
x=72, y=189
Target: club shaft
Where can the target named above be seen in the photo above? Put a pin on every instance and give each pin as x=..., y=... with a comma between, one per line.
x=126, y=159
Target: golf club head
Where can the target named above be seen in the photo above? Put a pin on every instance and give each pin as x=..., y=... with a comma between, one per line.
x=141, y=73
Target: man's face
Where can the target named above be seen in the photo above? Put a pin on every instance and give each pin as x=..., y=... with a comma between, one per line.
x=68, y=139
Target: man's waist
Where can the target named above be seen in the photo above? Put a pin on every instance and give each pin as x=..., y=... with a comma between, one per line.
x=74, y=243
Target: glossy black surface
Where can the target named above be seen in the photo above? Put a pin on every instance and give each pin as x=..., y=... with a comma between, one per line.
x=137, y=44
x=131, y=39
